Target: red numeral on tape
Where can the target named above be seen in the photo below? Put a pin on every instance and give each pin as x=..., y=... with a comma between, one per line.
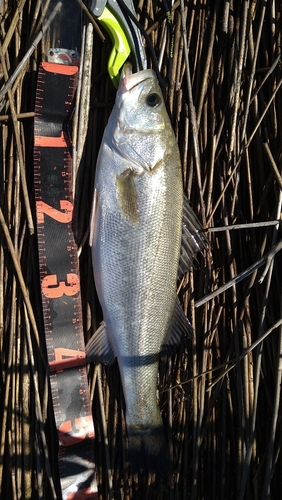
x=52, y=289
x=83, y=428
x=83, y=495
x=44, y=208
x=61, y=352
x=55, y=142
x=89, y=493
x=67, y=358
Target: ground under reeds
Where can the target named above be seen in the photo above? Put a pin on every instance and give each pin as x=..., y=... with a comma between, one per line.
x=220, y=393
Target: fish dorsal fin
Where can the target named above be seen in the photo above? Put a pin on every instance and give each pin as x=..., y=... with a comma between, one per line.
x=93, y=217
x=178, y=326
x=193, y=239
x=99, y=348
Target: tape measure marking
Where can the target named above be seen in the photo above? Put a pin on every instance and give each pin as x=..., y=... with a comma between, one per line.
x=60, y=284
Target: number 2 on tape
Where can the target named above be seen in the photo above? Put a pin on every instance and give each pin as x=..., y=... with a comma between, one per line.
x=44, y=208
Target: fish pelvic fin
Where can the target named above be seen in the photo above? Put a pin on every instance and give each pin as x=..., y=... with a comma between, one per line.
x=99, y=348
x=148, y=450
x=179, y=325
x=193, y=239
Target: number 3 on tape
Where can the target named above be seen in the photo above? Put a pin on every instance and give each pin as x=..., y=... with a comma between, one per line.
x=60, y=286
x=52, y=289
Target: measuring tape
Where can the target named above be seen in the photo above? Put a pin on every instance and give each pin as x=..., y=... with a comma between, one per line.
x=59, y=277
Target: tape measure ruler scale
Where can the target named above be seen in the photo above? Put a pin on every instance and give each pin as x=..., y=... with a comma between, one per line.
x=59, y=276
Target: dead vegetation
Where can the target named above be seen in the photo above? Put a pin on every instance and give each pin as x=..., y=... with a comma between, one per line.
x=220, y=394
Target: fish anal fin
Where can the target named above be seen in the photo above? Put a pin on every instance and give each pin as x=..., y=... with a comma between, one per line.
x=127, y=196
x=178, y=326
x=99, y=348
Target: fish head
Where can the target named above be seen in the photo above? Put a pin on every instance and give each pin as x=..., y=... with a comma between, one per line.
x=143, y=132
x=140, y=102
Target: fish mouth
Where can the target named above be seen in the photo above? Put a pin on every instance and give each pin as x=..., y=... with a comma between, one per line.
x=129, y=80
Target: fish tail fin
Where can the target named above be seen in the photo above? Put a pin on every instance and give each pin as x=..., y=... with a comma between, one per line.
x=148, y=450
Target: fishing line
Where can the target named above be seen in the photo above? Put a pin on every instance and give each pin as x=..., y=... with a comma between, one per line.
x=125, y=10
x=168, y=10
x=131, y=18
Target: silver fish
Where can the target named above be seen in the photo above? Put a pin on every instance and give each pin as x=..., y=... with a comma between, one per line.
x=139, y=223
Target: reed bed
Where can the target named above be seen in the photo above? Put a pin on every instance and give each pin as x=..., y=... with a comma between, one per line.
x=220, y=393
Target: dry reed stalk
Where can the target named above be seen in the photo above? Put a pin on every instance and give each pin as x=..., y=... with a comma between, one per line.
x=220, y=393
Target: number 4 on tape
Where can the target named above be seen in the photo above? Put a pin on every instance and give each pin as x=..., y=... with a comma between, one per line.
x=59, y=276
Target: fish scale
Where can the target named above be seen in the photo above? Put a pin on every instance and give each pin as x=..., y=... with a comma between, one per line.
x=136, y=233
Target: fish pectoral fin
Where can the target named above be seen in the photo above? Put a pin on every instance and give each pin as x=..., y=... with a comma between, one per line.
x=179, y=325
x=127, y=196
x=99, y=348
x=193, y=239
x=93, y=217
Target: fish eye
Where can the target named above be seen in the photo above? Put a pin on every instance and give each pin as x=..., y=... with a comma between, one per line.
x=153, y=100
x=51, y=53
